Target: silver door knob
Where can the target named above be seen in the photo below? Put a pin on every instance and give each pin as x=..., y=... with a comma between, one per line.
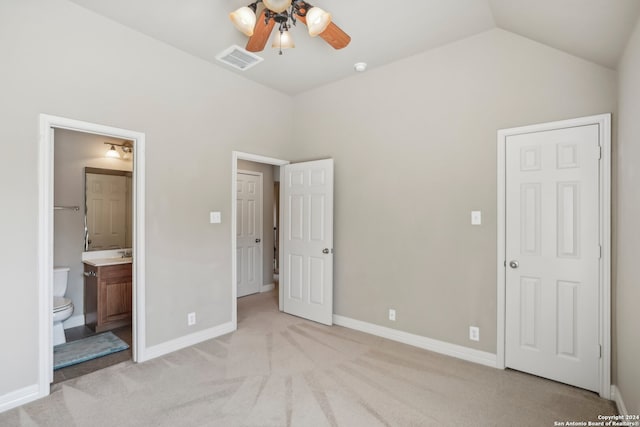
x=258, y=240
x=325, y=251
x=514, y=264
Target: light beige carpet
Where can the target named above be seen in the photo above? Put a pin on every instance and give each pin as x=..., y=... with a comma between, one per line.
x=279, y=370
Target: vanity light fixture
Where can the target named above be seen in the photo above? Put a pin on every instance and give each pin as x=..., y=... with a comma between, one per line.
x=127, y=150
x=126, y=147
x=112, y=152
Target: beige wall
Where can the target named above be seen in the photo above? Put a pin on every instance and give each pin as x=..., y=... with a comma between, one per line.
x=73, y=152
x=58, y=58
x=627, y=295
x=267, y=216
x=414, y=144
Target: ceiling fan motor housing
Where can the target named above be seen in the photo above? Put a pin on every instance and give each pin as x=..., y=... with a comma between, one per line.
x=281, y=18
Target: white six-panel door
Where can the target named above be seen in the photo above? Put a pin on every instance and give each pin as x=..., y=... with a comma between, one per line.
x=249, y=233
x=307, y=244
x=552, y=255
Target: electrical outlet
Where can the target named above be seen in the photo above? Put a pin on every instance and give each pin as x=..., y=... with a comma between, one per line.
x=191, y=319
x=392, y=314
x=474, y=333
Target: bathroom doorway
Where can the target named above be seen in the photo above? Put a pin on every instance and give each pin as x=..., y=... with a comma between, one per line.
x=95, y=174
x=64, y=147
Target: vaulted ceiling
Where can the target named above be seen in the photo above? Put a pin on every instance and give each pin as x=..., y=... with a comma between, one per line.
x=596, y=30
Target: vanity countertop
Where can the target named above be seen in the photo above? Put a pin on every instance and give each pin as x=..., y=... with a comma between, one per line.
x=101, y=262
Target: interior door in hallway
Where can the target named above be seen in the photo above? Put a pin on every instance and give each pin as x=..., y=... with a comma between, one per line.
x=249, y=232
x=307, y=244
x=552, y=254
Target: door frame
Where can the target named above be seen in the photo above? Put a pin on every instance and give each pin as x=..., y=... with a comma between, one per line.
x=235, y=156
x=261, y=236
x=604, y=316
x=45, y=237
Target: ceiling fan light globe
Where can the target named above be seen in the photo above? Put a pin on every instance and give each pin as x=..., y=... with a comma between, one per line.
x=317, y=21
x=282, y=40
x=277, y=6
x=244, y=19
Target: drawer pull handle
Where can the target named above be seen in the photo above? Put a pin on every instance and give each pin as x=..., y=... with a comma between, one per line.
x=90, y=273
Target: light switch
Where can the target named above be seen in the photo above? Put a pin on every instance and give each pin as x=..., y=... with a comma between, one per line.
x=476, y=217
x=215, y=217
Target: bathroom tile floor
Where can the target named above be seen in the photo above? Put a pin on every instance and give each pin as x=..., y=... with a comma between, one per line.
x=73, y=334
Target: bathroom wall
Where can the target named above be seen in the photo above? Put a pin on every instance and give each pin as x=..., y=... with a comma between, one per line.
x=267, y=215
x=73, y=151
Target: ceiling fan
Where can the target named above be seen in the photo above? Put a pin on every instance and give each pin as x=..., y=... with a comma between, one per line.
x=285, y=13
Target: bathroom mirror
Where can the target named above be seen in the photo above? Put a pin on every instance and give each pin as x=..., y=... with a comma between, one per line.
x=108, y=213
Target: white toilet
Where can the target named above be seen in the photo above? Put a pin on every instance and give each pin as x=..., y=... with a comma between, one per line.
x=62, y=307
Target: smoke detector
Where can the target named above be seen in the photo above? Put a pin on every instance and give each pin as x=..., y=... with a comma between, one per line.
x=360, y=67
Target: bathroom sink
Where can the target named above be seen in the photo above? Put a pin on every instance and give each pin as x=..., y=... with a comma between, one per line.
x=99, y=262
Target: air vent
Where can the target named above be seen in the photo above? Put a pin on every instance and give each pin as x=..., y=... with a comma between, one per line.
x=238, y=58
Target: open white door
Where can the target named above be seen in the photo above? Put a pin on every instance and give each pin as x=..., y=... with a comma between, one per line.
x=307, y=244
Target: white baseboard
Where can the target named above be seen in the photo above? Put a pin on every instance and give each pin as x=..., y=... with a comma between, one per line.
x=454, y=350
x=74, y=321
x=267, y=288
x=20, y=397
x=617, y=397
x=186, y=341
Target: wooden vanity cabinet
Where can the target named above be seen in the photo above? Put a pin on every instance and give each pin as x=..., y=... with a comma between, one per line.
x=107, y=296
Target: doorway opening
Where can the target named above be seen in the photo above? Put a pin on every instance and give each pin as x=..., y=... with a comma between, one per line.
x=92, y=248
x=255, y=255
x=305, y=238
x=68, y=160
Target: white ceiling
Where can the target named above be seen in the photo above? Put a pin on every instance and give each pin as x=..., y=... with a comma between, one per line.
x=596, y=30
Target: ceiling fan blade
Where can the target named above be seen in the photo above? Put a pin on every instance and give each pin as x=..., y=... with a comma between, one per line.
x=261, y=33
x=332, y=35
x=335, y=36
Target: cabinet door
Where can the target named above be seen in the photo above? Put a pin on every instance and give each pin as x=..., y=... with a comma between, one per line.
x=118, y=301
x=115, y=293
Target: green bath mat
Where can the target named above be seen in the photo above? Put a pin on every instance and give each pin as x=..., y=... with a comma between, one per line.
x=92, y=347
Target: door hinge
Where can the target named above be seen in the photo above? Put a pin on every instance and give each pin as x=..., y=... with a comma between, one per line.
x=600, y=351
x=599, y=251
x=599, y=152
